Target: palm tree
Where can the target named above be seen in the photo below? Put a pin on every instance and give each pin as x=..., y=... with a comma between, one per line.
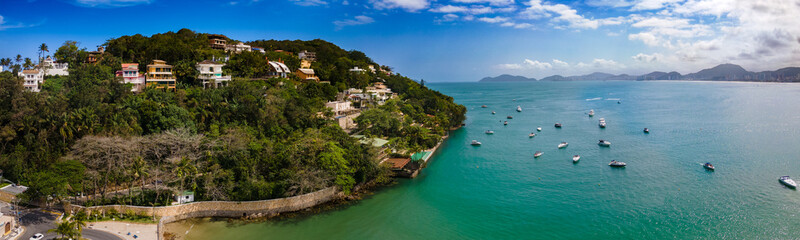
x=28, y=64
x=66, y=229
x=42, y=50
x=139, y=169
x=18, y=59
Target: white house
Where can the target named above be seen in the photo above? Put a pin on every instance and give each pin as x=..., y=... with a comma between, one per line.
x=51, y=68
x=306, y=55
x=130, y=74
x=211, y=74
x=357, y=70
x=238, y=48
x=340, y=107
x=184, y=197
x=33, y=79
x=278, y=69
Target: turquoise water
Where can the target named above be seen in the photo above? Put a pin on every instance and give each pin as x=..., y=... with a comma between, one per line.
x=749, y=131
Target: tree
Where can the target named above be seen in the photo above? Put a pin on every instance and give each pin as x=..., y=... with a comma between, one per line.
x=28, y=64
x=67, y=229
x=42, y=49
x=71, y=53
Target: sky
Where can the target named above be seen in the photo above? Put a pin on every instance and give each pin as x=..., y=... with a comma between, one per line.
x=449, y=40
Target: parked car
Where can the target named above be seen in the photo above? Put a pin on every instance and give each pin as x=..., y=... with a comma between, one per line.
x=37, y=236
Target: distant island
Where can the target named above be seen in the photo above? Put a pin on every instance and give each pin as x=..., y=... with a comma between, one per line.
x=722, y=72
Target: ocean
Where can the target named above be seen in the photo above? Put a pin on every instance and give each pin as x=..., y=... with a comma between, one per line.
x=749, y=131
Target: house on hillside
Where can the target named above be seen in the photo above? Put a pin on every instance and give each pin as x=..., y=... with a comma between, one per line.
x=211, y=74
x=159, y=75
x=238, y=48
x=217, y=41
x=32, y=80
x=344, y=113
x=51, y=68
x=306, y=55
x=306, y=74
x=305, y=64
x=261, y=50
x=278, y=69
x=380, y=93
x=184, y=197
x=95, y=56
x=130, y=75
x=357, y=70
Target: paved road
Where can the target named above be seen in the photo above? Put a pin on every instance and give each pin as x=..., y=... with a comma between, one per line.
x=36, y=221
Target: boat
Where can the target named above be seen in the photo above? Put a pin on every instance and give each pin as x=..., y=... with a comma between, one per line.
x=602, y=123
x=519, y=109
x=537, y=154
x=558, y=125
x=708, y=166
x=576, y=158
x=539, y=129
x=505, y=123
x=483, y=106
x=614, y=163
x=493, y=112
x=509, y=117
x=591, y=113
x=646, y=130
x=532, y=135
x=475, y=143
x=604, y=143
x=489, y=132
x=563, y=144
x=787, y=181
x=618, y=102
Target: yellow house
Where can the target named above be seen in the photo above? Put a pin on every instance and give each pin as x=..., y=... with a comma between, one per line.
x=306, y=74
x=159, y=74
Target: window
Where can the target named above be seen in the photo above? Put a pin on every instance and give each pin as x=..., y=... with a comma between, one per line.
x=211, y=69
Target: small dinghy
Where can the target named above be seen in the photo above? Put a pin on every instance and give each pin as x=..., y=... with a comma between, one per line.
x=646, y=130
x=475, y=143
x=604, y=143
x=483, y=106
x=563, y=145
x=519, y=109
x=532, y=135
x=539, y=129
x=505, y=123
x=788, y=182
x=708, y=166
x=493, y=112
x=558, y=125
x=576, y=158
x=591, y=113
x=537, y=154
x=602, y=123
x=614, y=163
x=509, y=117
x=489, y=132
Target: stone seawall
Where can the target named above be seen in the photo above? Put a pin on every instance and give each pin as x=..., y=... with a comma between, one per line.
x=230, y=209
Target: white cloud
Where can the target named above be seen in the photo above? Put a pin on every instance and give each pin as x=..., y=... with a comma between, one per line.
x=494, y=19
x=641, y=57
x=311, y=2
x=408, y=5
x=491, y=2
x=653, y=4
x=474, y=10
x=358, y=20
x=4, y=25
x=110, y=3
x=509, y=66
x=559, y=63
x=537, y=9
x=601, y=64
x=449, y=17
x=538, y=65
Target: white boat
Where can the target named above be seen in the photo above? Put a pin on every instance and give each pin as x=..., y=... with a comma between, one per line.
x=519, y=109
x=539, y=129
x=602, y=123
x=646, y=130
x=563, y=144
x=787, y=181
x=591, y=113
x=493, y=112
x=604, y=143
x=505, y=123
x=614, y=163
x=475, y=143
x=489, y=132
x=537, y=154
x=532, y=135
x=576, y=158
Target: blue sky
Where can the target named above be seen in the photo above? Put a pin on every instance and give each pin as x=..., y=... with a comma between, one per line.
x=449, y=40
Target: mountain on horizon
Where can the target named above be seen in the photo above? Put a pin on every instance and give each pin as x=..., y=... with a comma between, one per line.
x=722, y=72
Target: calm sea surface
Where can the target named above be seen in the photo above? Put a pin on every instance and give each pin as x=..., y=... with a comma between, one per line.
x=749, y=131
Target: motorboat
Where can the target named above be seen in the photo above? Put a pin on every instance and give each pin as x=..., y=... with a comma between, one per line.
x=537, y=154
x=558, y=125
x=475, y=143
x=532, y=135
x=489, y=132
x=602, y=123
x=493, y=112
x=539, y=129
x=505, y=123
x=604, y=143
x=576, y=158
x=509, y=117
x=614, y=163
x=519, y=109
x=646, y=130
x=708, y=166
x=787, y=181
x=484, y=106
x=591, y=113
x=563, y=144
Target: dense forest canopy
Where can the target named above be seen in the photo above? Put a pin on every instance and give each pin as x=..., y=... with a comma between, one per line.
x=257, y=138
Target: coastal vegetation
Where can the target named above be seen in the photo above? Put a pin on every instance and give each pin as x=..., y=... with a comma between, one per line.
x=87, y=138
